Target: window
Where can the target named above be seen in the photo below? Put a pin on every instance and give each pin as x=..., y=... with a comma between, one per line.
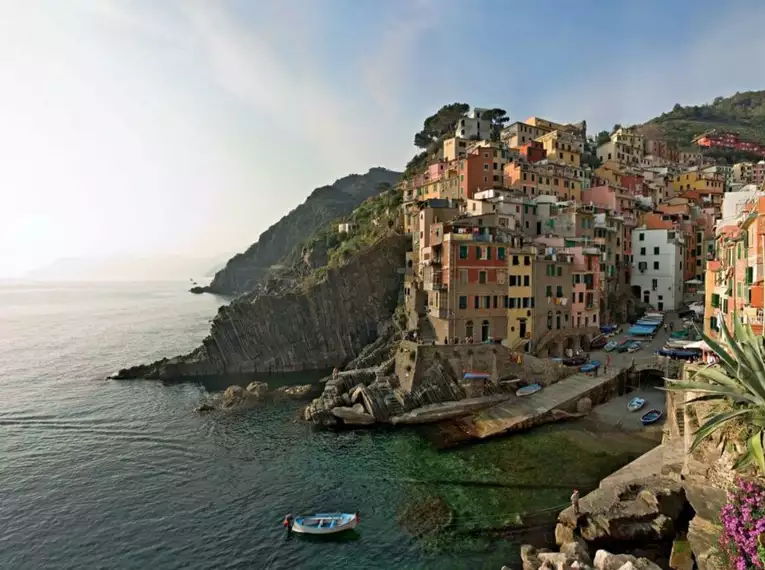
x=463, y=302
x=478, y=253
x=501, y=277
x=463, y=276
x=656, y=251
x=463, y=252
x=526, y=258
x=654, y=284
x=501, y=253
x=525, y=301
x=642, y=251
x=656, y=265
x=511, y=303
x=487, y=302
x=488, y=252
x=482, y=277
x=476, y=302
x=581, y=297
x=515, y=260
x=641, y=236
x=560, y=271
x=526, y=280
x=559, y=291
x=496, y=301
x=548, y=291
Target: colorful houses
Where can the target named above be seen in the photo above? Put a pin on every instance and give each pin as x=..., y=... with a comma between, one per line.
x=533, y=242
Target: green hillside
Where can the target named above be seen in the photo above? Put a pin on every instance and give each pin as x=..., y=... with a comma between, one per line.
x=743, y=113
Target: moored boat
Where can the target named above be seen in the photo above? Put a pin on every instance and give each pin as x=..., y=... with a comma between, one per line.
x=590, y=366
x=651, y=417
x=528, y=390
x=322, y=523
x=635, y=404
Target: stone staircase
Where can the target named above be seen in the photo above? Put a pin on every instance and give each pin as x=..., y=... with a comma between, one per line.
x=425, y=331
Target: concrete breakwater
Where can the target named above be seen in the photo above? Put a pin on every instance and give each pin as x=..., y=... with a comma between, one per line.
x=417, y=383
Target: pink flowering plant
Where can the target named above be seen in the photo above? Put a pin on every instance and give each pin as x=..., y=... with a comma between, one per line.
x=743, y=520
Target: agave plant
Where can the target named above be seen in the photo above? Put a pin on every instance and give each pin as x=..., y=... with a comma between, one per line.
x=739, y=380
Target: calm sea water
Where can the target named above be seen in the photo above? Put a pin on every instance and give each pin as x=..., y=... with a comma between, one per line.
x=107, y=474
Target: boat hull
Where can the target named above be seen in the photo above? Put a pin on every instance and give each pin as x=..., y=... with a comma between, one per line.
x=651, y=417
x=325, y=524
x=635, y=404
x=528, y=390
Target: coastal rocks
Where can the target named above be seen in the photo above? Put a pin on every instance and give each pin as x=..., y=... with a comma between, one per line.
x=257, y=389
x=205, y=407
x=354, y=415
x=236, y=396
x=584, y=406
x=632, y=512
x=300, y=391
x=604, y=560
x=329, y=323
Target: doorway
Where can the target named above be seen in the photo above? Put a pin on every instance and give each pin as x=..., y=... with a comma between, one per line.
x=485, y=331
x=522, y=328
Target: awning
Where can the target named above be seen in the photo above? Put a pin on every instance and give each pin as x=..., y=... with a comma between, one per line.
x=700, y=344
x=694, y=282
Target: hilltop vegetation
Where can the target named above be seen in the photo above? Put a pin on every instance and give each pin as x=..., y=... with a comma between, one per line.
x=281, y=243
x=743, y=113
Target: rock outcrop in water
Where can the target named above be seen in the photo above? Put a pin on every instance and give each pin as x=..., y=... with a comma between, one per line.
x=246, y=271
x=315, y=327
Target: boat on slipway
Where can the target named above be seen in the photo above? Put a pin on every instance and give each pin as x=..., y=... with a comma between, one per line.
x=635, y=404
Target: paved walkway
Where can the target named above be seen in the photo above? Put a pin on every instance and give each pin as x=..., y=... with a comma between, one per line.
x=522, y=410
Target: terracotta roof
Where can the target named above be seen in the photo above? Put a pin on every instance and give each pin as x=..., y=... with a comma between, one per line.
x=654, y=222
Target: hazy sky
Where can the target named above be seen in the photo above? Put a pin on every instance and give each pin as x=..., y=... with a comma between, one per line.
x=188, y=127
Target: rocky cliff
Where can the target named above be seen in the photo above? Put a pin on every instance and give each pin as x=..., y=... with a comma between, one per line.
x=319, y=325
x=245, y=271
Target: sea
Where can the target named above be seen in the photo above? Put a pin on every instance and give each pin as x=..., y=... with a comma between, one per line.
x=98, y=473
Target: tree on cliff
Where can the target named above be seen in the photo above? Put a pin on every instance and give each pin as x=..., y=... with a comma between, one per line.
x=498, y=119
x=440, y=124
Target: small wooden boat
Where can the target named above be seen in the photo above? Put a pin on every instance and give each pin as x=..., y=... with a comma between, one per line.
x=476, y=376
x=635, y=404
x=651, y=417
x=590, y=366
x=577, y=360
x=321, y=523
x=611, y=346
x=528, y=390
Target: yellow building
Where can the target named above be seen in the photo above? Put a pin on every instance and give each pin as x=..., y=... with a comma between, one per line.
x=562, y=147
x=702, y=182
x=520, y=296
x=454, y=148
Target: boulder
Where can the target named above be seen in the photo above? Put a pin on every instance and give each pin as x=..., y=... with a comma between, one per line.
x=529, y=557
x=637, y=511
x=205, y=407
x=257, y=389
x=234, y=395
x=577, y=550
x=584, y=406
x=294, y=391
x=563, y=534
x=604, y=560
x=353, y=416
x=704, y=538
x=555, y=560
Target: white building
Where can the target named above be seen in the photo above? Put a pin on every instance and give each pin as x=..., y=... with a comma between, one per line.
x=657, y=272
x=347, y=228
x=474, y=126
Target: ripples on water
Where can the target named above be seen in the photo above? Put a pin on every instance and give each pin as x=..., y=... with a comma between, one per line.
x=106, y=474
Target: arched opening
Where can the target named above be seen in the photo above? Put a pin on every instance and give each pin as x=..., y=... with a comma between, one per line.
x=485, y=331
x=570, y=343
x=584, y=342
x=469, y=329
x=557, y=320
x=549, y=319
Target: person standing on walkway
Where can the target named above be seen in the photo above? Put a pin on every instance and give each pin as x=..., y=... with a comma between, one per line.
x=608, y=363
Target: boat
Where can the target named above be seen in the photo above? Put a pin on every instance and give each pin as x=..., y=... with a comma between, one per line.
x=590, y=366
x=528, y=390
x=634, y=346
x=321, y=523
x=635, y=404
x=651, y=417
x=598, y=342
x=610, y=346
x=476, y=376
x=577, y=360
